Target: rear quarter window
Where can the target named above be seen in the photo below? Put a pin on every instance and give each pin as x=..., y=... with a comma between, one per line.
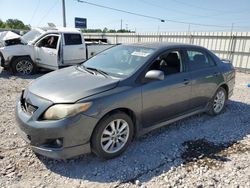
x=198, y=59
x=72, y=39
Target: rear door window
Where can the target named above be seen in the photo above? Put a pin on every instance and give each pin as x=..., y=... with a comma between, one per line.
x=198, y=59
x=72, y=39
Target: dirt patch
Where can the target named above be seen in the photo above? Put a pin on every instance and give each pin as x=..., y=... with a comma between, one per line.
x=204, y=153
x=201, y=148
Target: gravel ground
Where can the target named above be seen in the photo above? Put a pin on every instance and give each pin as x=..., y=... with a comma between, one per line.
x=200, y=151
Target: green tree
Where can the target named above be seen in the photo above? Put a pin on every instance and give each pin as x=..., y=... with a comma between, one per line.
x=124, y=31
x=16, y=24
x=92, y=31
x=105, y=30
x=2, y=24
x=112, y=31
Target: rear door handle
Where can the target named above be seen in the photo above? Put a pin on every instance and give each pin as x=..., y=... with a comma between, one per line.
x=186, y=81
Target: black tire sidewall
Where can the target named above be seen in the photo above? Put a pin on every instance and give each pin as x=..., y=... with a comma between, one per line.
x=211, y=110
x=13, y=65
x=96, y=137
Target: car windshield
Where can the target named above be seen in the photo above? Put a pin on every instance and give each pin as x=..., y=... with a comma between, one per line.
x=31, y=35
x=120, y=61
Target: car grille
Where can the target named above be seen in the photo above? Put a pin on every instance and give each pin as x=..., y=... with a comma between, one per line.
x=30, y=109
x=27, y=107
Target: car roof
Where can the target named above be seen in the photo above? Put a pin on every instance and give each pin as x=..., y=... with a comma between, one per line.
x=164, y=45
x=59, y=29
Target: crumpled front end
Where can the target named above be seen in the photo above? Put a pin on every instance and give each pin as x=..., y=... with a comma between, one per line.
x=58, y=139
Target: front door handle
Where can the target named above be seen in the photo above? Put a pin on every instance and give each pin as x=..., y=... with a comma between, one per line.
x=186, y=81
x=51, y=53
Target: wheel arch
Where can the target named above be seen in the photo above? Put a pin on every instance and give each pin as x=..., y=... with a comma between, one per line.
x=225, y=86
x=127, y=111
x=18, y=56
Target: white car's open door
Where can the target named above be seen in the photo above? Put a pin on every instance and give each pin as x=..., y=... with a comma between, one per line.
x=74, y=49
x=47, y=51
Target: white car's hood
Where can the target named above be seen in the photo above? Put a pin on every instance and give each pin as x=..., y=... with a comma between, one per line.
x=8, y=35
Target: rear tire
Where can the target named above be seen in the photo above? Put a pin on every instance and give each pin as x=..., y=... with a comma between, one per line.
x=23, y=66
x=112, y=135
x=218, y=102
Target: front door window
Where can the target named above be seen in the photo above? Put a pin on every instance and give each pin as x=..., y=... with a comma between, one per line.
x=49, y=42
x=169, y=63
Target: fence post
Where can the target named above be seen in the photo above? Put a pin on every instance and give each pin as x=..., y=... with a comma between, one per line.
x=231, y=47
x=190, y=39
x=116, y=39
x=138, y=38
x=160, y=38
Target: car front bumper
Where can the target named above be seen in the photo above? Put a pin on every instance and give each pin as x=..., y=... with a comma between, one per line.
x=74, y=134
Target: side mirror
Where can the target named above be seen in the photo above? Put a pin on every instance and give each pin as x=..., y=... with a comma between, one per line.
x=38, y=45
x=154, y=75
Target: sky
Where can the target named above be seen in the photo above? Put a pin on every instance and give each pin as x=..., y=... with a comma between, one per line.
x=218, y=14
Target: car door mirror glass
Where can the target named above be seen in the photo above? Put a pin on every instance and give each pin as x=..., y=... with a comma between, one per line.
x=154, y=75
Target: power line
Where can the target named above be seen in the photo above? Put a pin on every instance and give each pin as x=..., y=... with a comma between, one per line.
x=153, y=17
x=34, y=13
x=187, y=13
x=119, y=10
x=49, y=10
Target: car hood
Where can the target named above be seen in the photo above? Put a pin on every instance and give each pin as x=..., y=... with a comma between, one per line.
x=8, y=35
x=70, y=84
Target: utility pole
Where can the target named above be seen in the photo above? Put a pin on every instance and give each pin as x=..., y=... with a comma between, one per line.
x=64, y=13
x=121, y=24
x=232, y=28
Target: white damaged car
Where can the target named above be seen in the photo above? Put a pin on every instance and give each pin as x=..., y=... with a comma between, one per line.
x=50, y=48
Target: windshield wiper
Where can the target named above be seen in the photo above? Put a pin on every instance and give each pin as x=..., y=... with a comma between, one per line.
x=87, y=70
x=97, y=70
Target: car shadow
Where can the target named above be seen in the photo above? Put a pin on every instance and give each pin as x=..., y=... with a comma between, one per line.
x=201, y=139
x=9, y=75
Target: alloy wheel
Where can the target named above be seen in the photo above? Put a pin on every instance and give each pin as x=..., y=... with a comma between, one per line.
x=219, y=101
x=115, y=136
x=24, y=67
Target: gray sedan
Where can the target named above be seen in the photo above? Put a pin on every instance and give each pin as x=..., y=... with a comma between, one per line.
x=119, y=94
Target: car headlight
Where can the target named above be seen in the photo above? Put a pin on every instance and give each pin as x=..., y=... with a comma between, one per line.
x=60, y=111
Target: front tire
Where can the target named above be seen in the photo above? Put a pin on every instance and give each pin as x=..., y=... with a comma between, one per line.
x=218, y=102
x=112, y=135
x=23, y=66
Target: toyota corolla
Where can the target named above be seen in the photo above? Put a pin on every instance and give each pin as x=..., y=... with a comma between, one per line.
x=119, y=94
